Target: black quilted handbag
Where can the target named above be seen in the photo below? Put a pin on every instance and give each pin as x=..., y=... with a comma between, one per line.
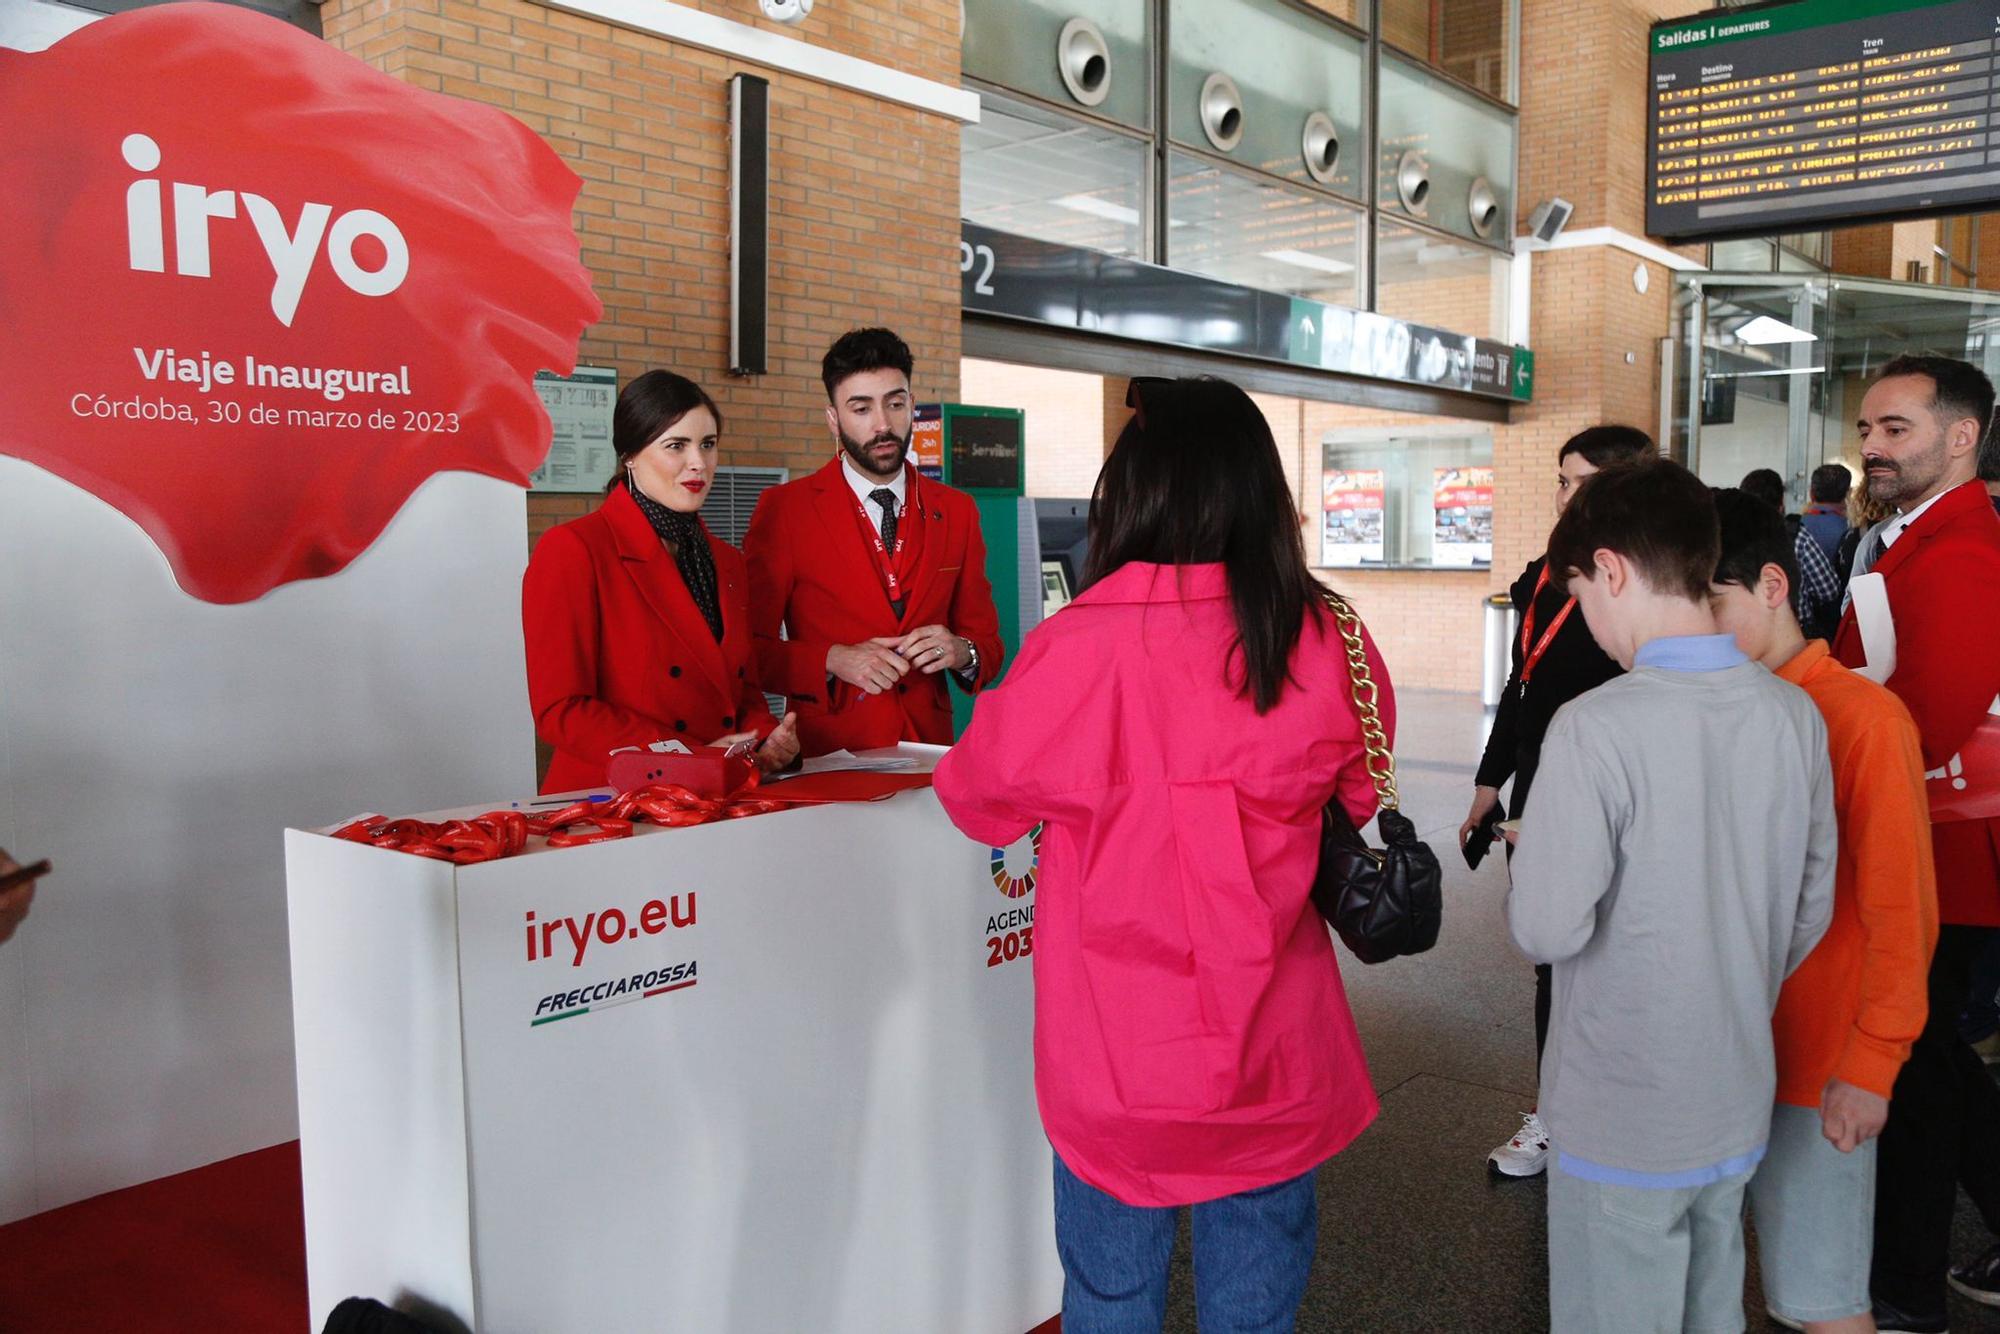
x=1382, y=902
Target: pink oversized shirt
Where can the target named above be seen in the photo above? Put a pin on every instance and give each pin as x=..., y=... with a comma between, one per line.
x=1192, y=1038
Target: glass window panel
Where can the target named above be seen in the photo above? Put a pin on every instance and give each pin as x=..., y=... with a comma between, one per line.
x=1286, y=65
x=1014, y=43
x=1394, y=499
x=1427, y=279
x=1243, y=229
x=1034, y=173
x=1752, y=255
x=1471, y=40
x=1812, y=245
x=1439, y=144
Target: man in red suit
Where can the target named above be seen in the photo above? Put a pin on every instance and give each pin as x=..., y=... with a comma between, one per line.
x=1921, y=424
x=876, y=574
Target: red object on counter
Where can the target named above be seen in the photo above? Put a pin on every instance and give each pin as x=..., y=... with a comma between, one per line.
x=709, y=771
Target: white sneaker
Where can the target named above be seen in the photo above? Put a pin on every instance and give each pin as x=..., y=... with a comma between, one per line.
x=1525, y=1155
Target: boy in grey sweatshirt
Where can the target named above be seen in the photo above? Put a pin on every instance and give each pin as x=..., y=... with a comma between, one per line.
x=1675, y=864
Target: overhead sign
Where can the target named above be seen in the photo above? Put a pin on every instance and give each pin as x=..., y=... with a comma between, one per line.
x=254, y=293
x=1022, y=278
x=1805, y=115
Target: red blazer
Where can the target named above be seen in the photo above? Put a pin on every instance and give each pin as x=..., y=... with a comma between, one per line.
x=618, y=655
x=1944, y=594
x=812, y=572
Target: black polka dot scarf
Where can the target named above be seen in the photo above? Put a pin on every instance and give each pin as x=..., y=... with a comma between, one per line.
x=684, y=533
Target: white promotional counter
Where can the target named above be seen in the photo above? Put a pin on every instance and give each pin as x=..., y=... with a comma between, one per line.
x=765, y=1075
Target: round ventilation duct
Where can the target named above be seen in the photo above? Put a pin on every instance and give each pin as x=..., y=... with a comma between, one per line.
x=1483, y=207
x=1222, y=112
x=1084, y=61
x=1413, y=180
x=1321, y=146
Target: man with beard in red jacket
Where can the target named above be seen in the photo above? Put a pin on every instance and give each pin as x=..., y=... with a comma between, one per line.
x=876, y=574
x=1937, y=610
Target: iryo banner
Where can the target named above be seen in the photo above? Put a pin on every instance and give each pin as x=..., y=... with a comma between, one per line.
x=257, y=318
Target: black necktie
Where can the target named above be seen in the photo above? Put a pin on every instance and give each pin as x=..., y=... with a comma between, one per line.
x=886, y=498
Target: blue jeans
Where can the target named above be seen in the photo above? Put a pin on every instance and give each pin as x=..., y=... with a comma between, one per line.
x=1252, y=1252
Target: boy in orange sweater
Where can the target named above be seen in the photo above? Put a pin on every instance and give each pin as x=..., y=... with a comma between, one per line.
x=1846, y=1018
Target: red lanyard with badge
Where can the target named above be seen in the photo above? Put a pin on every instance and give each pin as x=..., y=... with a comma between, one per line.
x=889, y=562
x=1529, y=657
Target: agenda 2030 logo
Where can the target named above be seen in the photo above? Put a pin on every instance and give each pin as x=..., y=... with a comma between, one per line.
x=1014, y=867
x=1010, y=935
x=254, y=292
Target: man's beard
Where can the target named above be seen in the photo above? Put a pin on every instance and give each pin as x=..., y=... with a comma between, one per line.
x=1907, y=479
x=857, y=450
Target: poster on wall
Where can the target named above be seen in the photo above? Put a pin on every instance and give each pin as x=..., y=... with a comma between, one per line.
x=254, y=294
x=1462, y=526
x=1351, y=506
x=579, y=407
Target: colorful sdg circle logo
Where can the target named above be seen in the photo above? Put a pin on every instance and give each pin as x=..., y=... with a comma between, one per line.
x=1014, y=867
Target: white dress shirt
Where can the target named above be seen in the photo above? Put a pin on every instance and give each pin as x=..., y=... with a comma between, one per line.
x=863, y=485
x=1893, y=529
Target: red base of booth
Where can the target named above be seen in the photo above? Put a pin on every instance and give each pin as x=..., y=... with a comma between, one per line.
x=221, y=1249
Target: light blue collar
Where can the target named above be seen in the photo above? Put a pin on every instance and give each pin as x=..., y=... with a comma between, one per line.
x=1691, y=653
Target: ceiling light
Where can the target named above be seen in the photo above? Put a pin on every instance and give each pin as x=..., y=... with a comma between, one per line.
x=1764, y=330
x=1099, y=208
x=1304, y=260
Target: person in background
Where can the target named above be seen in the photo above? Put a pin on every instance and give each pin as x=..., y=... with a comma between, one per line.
x=1921, y=425
x=1555, y=660
x=1857, y=552
x=15, y=902
x=868, y=581
x=1818, y=592
x=1675, y=864
x=637, y=617
x=1193, y=1044
x=1825, y=516
x=1846, y=1018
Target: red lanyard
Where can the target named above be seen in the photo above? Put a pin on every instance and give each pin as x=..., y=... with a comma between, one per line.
x=890, y=562
x=1530, y=657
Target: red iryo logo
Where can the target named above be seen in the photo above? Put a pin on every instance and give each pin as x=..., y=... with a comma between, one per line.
x=253, y=292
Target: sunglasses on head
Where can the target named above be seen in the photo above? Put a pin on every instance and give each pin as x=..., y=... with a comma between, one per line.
x=1142, y=389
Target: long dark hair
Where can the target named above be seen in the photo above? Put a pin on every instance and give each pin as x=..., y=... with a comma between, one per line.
x=649, y=405
x=1194, y=480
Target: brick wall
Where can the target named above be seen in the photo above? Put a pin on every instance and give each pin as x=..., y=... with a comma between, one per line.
x=1065, y=421
x=864, y=194
x=1863, y=251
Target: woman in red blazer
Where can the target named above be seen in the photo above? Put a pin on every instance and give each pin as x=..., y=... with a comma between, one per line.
x=637, y=618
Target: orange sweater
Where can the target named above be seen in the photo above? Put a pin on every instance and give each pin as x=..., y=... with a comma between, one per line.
x=1858, y=1001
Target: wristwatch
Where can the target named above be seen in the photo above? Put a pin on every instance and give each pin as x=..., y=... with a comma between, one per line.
x=971, y=669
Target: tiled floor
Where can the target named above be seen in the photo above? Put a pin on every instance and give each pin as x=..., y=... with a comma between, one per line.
x=1413, y=1235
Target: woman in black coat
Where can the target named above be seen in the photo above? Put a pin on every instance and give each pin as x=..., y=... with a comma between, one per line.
x=1555, y=660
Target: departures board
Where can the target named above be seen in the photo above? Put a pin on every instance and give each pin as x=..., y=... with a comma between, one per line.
x=1796, y=116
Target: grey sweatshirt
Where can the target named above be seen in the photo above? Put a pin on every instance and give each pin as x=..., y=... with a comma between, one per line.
x=1675, y=864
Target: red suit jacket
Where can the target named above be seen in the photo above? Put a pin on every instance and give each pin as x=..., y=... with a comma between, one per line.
x=618, y=654
x=1943, y=575
x=812, y=572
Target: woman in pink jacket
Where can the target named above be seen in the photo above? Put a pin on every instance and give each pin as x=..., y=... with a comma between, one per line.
x=1177, y=728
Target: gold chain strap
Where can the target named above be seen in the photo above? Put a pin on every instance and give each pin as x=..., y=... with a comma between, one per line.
x=1381, y=764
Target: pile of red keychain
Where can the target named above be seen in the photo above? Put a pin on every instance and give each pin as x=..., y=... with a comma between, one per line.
x=496, y=834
